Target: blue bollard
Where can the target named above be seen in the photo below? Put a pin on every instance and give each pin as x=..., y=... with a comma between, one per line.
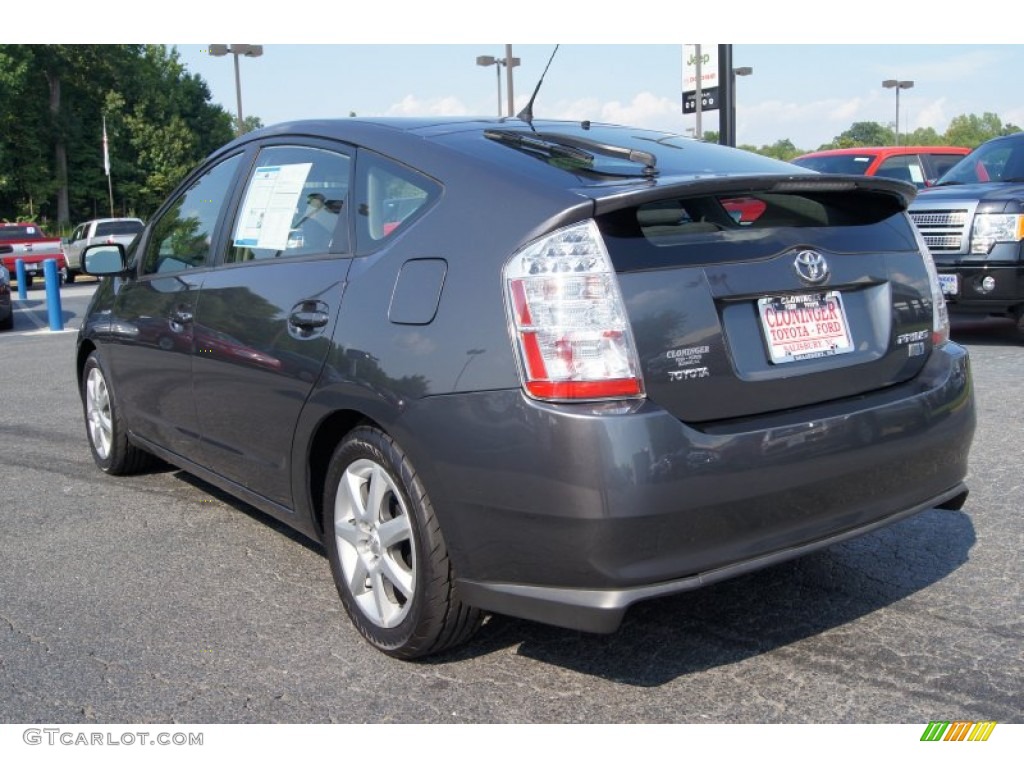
x=53, y=307
x=19, y=268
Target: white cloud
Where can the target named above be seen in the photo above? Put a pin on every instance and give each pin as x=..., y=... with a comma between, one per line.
x=645, y=110
x=413, y=106
x=932, y=115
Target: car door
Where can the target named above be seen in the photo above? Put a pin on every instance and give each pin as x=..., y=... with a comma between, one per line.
x=152, y=332
x=266, y=314
x=73, y=250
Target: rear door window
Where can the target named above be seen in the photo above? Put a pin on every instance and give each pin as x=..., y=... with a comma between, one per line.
x=294, y=204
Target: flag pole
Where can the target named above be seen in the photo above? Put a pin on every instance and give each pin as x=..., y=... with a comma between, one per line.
x=106, y=167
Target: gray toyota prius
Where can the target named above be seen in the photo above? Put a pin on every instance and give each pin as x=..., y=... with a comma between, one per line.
x=537, y=368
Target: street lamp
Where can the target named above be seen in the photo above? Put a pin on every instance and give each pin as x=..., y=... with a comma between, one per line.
x=728, y=136
x=487, y=61
x=898, y=85
x=237, y=50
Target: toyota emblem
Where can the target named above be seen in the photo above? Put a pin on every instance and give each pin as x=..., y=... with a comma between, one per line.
x=811, y=267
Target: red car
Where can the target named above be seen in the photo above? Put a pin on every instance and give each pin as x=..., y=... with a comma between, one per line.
x=31, y=245
x=921, y=166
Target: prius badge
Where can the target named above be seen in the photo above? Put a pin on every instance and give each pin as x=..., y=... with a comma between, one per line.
x=811, y=267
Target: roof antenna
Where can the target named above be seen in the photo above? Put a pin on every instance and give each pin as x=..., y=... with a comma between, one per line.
x=526, y=115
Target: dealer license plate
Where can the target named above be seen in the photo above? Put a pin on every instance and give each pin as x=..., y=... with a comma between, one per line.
x=804, y=326
x=950, y=284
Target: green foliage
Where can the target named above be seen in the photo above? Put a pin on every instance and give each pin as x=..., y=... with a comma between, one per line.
x=864, y=134
x=251, y=123
x=53, y=98
x=971, y=130
x=924, y=137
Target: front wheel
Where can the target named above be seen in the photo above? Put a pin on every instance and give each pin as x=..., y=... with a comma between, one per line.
x=387, y=554
x=108, y=438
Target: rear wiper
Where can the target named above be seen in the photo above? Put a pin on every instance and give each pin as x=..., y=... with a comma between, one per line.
x=575, y=148
x=647, y=159
x=534, y=143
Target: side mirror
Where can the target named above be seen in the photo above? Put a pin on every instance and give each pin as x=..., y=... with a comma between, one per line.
x=103, y=260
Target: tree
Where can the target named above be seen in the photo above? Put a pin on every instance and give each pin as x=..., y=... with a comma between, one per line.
x=971, y=130
x=864, y=134
x=251, y=123
x=924, y=137
x=53, y=99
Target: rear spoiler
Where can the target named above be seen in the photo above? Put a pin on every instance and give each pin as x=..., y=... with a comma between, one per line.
x=676, y=186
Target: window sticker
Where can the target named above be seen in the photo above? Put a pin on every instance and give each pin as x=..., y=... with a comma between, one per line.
x=270, y=205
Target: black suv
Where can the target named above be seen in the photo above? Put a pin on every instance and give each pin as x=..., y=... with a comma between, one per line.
x=535, y=368
x=972, y=221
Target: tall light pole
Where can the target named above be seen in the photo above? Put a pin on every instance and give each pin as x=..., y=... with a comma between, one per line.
x=237, y=50
x=899, y=85
x=488, y=61
x=727, y=115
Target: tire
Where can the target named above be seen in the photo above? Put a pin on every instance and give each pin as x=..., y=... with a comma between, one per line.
x=387, y=554
x=28, y=282
x=8, y=322
x=108, y=439
x=70, y=277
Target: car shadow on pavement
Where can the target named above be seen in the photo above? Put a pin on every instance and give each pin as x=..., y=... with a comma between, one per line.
x=984, y=331
x=664, y=639
x=253, y=512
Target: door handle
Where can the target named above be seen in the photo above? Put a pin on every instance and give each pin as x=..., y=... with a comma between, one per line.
x=308, y=318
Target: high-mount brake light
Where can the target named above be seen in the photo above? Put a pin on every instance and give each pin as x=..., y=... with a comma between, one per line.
x=568, y=320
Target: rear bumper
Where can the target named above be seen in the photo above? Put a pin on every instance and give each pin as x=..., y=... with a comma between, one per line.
x=33, y=265
x=602, y=610
x=569, y=514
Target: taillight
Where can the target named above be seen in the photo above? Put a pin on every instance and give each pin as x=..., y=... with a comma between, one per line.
x=940, y=314
x=568, y=320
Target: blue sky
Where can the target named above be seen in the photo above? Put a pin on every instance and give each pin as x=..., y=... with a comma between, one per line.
x=413, y=57
x=806, y=93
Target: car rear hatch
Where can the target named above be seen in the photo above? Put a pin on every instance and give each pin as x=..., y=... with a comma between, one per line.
x=760, y=295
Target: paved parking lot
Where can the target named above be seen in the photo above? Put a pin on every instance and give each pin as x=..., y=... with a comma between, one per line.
x=159, y=599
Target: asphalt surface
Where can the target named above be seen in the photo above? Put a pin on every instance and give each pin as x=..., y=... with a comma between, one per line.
x=157, y=598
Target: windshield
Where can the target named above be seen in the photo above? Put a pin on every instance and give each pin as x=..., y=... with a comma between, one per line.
x=998, y=160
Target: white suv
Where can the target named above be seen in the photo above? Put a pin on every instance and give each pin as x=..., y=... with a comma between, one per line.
x=108, y=231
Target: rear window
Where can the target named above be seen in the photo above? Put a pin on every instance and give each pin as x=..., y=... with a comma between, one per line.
x=18, y=232
x=108, y=228
x=850, y=164
x=707, y=229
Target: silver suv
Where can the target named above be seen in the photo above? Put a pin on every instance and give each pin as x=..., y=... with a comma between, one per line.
x=108, y=231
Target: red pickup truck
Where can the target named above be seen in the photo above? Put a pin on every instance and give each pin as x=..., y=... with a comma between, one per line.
x=30, y=244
